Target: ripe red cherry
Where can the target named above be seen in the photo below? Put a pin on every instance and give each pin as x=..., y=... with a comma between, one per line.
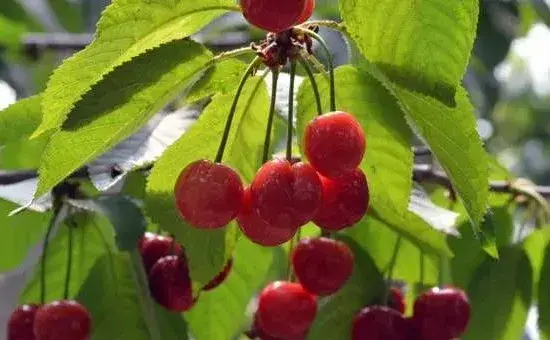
x=257, y=229
x=380, y=323
x=285, y=309
x=322, y=265
x=208, y=195
x=258, y=332
x=153, y=247
x=334, y=143
x=397, y=300
x=345, y=201
x=21, y=322
x=307, y=13
x=441, y=313
x=272, y=15
x=170, y=284
x=220, y=278
x=62, y=320
x=285, y=195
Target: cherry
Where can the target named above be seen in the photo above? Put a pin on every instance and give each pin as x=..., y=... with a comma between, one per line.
x=380, y=323
x=258, y=332
x=21, y=321
x=170, y=284
x=441, y=313
x=220, y=278
x=272, y=15
x=62, y=320
x=285, y=195
x=397, y=300
x=334, y=143
x=286, y=310
x=208, y=195
x=256, y=229
x=322, y=265
x=307, y=13
x=153, y=247
x=345, y=201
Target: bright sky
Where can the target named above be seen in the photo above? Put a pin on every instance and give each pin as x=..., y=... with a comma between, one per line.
x=7, y=95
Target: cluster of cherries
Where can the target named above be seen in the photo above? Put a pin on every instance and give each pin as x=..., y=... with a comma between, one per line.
x=166, y=266
x=438, y=314
x=58, y=320
x=331, y=190
x=286, y=310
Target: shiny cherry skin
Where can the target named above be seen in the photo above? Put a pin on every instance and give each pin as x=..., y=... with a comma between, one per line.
x=259, y=333
x=20, y=323
x=170, y=284
x=220, y=278
x=285, y=195
x=208, y=195
x=257, y=230
x=62, y=320
x=334, y=144
x=153, y=247
x=272, y=15
x=397, y=300
x=286, y=309
x=307, y=13
x=322, y=265
x=380, y=323
x=441, y=313
x=345, y=201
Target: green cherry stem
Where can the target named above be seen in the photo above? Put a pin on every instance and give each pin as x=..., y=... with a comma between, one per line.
x=275, y=77
x=422, y=270
x=72, y=225
x=330, y=61
x=307, y=68
x=51, y=225
x=231, y=115
x=290, y=123
x=393, y=262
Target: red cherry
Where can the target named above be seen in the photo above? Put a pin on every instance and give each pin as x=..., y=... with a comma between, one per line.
x=345, y=201
x=62, y=320
x=153, y=247
x=218, y=280
x=286, y=310
x=208, y=195
x=21, y=322
x=170, y=284
x=397, y=300
x=272, y=15
x=380, y=323
x=285, y=195
x=307, y=13
x=322, y=265
x=258, y=332
x=257, y=229
x=441, y=313
x=334, y=143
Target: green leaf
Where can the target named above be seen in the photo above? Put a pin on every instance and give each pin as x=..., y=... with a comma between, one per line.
x=208, y=251
x=222, y=78
x=118, y=106
x=335, y=314
x=544, y=295
x=500, y=294
x=422, y=45
x=388, y=161
x=112, y=298
x=535, y=245
x=19, y=120
x=127, y=219
x=10, y=32
x=127, y=29
x=216, y=320
x=93, y=237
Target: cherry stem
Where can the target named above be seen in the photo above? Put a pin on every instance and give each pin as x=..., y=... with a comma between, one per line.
x=393, y=262
x=275, y=77
x=330, y=61
x=51, y=225
x=314, y=86
x=72, y=225
x=422, y=270
x=290, y=124
x=231, y=115
x=233, y=53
